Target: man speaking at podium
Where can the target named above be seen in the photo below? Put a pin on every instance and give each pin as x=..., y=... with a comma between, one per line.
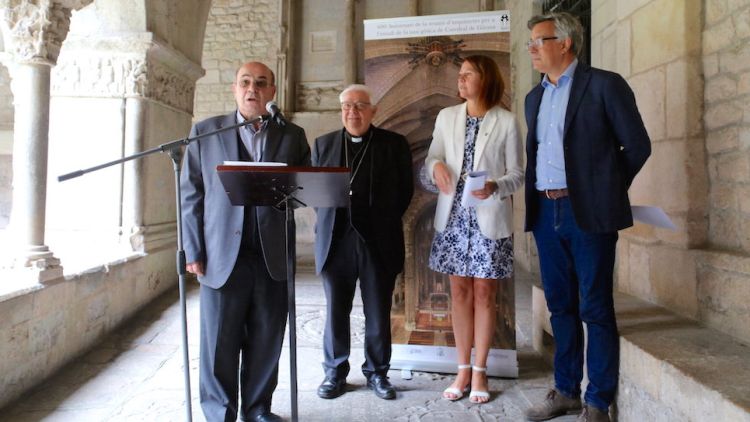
x=238, y=254
x=364, y=241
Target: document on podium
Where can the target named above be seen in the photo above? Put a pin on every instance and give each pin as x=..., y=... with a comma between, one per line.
x=474, y=181
x=254, y=163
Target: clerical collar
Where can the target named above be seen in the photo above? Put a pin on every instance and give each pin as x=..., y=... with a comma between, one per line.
x=357, y=139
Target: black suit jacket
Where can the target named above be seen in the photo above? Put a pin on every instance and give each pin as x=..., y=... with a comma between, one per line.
x=392, y=188
x=212, y=226
x=604, y=143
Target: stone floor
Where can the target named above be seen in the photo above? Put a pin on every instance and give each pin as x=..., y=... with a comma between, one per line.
x=135, y=374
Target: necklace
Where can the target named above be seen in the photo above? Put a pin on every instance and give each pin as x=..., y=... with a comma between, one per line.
x=360, y=154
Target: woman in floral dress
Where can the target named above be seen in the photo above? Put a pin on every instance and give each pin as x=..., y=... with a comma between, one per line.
x=473, y=244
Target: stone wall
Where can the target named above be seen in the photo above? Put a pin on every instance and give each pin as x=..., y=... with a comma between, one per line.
x=724, y=271
x=236, y=32
x=46, y=326
x=687, y=62
x=655, y=46
x=6, y=100
x=726, y=68
x=6, y=144
x=6, y=191
x=112, y=95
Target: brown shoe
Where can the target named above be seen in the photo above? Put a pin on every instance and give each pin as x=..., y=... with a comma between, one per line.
x=592, y=414
x=554, y=405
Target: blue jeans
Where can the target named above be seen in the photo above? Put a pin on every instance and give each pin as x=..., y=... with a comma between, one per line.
x=577, y=269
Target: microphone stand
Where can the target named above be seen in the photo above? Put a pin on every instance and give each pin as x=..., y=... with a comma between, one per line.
x=174, y=149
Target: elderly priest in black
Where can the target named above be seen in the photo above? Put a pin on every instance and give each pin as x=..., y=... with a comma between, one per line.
x=364, y=241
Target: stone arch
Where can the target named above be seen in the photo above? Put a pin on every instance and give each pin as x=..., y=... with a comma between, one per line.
x=129, y=69
x=123, y=82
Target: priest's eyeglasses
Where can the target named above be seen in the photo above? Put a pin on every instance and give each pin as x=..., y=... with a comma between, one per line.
x=359, y=106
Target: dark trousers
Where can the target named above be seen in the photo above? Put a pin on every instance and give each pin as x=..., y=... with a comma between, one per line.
x=577, y=270
x=242, y=331
x=349, y=259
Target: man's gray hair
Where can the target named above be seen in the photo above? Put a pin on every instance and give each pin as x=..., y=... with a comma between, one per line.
x=566, y=26
x=357, y=87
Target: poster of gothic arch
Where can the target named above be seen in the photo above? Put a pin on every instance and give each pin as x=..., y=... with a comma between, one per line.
x=412, y=65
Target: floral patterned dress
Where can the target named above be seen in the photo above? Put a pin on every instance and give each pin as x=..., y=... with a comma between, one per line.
x=461, y=249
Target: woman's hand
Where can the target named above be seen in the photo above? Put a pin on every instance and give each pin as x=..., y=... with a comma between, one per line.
x=442, y=177
x=489, y=188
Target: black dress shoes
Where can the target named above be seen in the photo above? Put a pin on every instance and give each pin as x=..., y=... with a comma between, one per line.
x=331, y=388
x=382, y=388
x=268, y=417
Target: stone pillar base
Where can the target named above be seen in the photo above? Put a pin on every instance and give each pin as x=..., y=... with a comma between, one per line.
x=35, y=264
x=40, y=263
x=34, y=271
x=151, y=238
x=44, y=273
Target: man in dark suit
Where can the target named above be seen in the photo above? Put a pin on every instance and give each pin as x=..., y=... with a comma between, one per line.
x=364, y=241
x=238, y=254
x=585, y=144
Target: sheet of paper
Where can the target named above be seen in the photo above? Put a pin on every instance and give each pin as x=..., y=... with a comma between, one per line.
x=474, y=180
x=654, y=216
x=254, y=163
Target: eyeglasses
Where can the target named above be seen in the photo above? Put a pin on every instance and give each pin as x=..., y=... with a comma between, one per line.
x=259, y=83
x=356, y=106
x=538, y=43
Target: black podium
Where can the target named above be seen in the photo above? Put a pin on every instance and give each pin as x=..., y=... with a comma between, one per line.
x=287, y=188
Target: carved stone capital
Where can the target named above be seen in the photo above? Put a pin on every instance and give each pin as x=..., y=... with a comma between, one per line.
x=33, y=31
x=134, y=66
x=172, y=77
x=319, y=96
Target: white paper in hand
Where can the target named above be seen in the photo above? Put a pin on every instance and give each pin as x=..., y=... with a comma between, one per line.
x=654, y=216
x=474, y=181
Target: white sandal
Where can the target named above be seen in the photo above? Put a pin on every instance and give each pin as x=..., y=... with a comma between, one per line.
x=479, y=393
x=455, y=391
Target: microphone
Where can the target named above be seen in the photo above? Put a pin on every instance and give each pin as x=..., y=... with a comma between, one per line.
x=276, y=115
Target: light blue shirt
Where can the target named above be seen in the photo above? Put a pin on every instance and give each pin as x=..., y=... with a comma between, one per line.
x=254, y=141
x=550, y=123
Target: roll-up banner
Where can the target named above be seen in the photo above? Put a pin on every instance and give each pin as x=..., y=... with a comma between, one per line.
x=412, y=65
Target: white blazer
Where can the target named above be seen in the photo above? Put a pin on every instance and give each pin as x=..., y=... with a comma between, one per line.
x=498, y=151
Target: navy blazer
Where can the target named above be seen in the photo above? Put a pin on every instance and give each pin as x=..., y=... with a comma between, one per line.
x=605, y=144
x=212, y=226
x=392, y=187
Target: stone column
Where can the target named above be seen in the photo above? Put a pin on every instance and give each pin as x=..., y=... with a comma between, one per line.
x=413, y=7
x=132, y=190
x=33, y=32
x=284, y=73
x=350, y=46
x=30, y=86
x=156, y=86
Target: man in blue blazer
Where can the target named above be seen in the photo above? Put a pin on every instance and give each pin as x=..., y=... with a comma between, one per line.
x=364, y=241
x=238, y=254
x=586, y=142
